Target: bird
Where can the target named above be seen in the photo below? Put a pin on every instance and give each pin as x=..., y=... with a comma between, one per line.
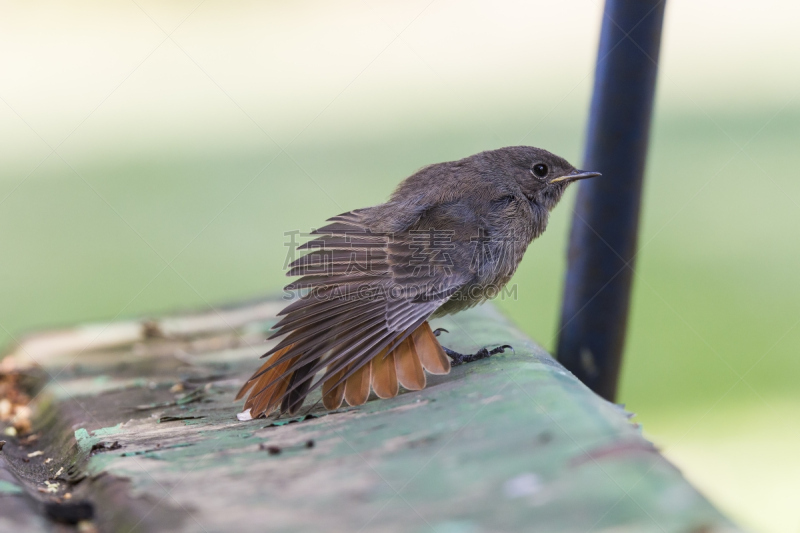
x=450, y=237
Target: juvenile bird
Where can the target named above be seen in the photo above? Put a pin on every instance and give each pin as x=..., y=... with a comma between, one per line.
x=450, y=237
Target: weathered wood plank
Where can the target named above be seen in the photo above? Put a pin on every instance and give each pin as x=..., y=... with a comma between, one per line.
x=142, y=429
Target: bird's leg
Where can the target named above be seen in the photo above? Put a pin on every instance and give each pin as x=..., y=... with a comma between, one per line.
x=483, y=353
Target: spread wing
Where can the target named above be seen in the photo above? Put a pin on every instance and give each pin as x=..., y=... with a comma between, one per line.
x=364, y=293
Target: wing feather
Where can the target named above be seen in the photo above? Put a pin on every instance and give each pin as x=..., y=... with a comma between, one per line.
x=356, y=327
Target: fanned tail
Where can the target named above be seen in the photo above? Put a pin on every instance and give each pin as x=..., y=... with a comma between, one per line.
x=273, y=385
x=267, y=386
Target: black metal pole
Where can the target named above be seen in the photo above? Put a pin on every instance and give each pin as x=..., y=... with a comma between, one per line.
x=602, y=243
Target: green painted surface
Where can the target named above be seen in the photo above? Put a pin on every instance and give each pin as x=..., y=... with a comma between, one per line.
x=512, y=443
x=86, y=441
x=6, y=487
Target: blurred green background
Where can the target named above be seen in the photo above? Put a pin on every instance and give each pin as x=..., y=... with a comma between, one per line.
x=189, y=136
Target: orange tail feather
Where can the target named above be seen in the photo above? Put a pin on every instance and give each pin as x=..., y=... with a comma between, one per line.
x=409, y=369
x=356, y=389
x=266, y=390
x=430, y=352
x=384, y=375
x=332, y=396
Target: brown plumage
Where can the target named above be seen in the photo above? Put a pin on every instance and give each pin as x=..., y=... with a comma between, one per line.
x=270, y=386
x=409, y=368
x=384, y=375
x=356, y=389
x=333, y=390
x=450, y=237
x=430, y=352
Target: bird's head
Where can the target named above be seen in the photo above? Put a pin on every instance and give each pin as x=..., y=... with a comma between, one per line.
x=542, y=176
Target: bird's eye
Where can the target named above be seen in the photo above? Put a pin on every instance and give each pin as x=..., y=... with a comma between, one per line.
x=540, y=170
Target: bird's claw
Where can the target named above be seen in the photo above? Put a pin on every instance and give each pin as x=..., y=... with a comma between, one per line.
x=483, y=353
x=438, y=331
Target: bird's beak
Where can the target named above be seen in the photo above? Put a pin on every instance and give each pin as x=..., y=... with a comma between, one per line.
x=576, y=175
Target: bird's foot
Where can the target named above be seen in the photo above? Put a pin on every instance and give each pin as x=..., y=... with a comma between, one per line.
x=483, y=353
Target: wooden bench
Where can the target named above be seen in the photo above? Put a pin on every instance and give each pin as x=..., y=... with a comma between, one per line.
x=135, y=429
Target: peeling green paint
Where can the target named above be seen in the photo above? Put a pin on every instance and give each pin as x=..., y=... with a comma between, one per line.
x=105, y=432
x=86, y=441
x=291, y=420
x=6, y=487
x=154, y=453
x=454, y=526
